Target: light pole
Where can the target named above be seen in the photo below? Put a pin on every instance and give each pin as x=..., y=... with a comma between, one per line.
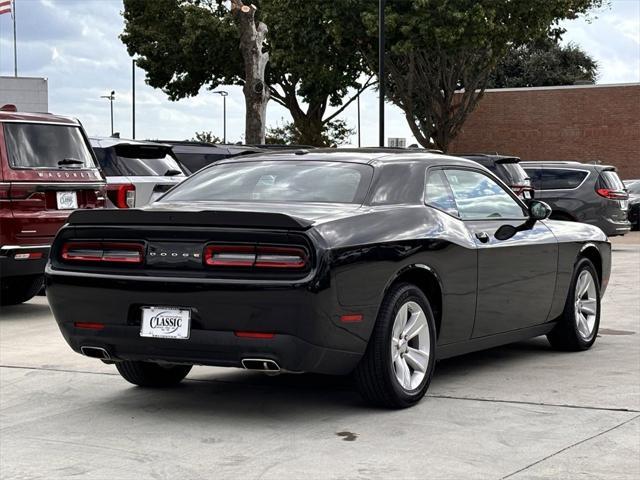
x=358, y=120
x=111, y=97
x=223, y=94
x=381, y=4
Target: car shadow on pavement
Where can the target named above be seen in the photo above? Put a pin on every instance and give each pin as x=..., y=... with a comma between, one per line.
x=23, y=310
x=228, y=394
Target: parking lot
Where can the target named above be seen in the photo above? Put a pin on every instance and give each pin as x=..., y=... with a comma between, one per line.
x=520, y=411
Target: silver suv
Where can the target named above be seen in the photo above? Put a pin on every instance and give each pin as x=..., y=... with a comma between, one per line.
x=582, y=192
x=137, y=172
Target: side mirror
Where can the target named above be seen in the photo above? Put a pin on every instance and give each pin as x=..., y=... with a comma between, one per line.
x=539, y=210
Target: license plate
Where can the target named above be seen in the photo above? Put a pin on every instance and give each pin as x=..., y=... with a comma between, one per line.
x=166, y=322
x=526, y=194
x=67, y=200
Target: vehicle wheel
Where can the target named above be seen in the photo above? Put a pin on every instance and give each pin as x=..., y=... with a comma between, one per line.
x=148, y=374
x=580, y=320
x=397, y=366
x=20, y=289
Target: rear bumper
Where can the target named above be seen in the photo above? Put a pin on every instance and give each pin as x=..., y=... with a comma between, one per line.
x=216, y=348
x=10, y=266
x=308, y=336
x=612, y=228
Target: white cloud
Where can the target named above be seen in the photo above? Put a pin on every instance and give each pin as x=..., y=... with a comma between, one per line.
x=75, y=45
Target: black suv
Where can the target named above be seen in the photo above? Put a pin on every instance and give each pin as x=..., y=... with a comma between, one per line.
x=582, y=192
x=506, y=168
x=196, y=155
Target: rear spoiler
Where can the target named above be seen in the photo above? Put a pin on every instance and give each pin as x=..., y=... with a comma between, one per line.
x=206, y=218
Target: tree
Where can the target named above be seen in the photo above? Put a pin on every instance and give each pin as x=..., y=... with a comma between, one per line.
x=543, y=62
x=335, y=133
x=206, y=137
x=186, y=45
x=440, y=55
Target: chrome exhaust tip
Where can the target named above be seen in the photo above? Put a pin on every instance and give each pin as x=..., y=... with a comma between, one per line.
x=95, y=352
x=261, y=365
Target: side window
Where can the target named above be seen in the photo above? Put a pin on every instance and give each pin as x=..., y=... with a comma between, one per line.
x=560, y=179
x=479, y=197
x=438, y=194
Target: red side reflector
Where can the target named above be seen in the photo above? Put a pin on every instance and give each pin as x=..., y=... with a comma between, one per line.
x=89, y=325
x=254, y=335
x=352, y=318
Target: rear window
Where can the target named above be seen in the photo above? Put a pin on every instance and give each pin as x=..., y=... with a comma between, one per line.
x=37, y=145
x=280, y=181
x=513, y=174
x=560, y=179
x=137, y=161
x=610, y=180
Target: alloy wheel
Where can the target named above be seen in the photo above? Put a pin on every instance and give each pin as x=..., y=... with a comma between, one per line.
x=586, y=305
x=410, y=345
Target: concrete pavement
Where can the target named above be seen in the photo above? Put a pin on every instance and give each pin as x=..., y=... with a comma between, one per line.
x=520, y=411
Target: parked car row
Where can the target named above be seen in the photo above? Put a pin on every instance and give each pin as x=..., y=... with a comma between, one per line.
x=50, y=167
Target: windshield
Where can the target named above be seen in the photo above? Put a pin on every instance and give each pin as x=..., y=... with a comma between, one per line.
x=137, y=161
x=277, y=181
x=38, y=145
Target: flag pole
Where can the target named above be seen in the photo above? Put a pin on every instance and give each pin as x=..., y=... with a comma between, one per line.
x=15, y=49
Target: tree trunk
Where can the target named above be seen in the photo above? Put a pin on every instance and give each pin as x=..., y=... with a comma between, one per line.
x=256, y=93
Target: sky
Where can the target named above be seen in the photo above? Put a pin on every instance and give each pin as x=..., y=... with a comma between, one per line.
x=75, y=45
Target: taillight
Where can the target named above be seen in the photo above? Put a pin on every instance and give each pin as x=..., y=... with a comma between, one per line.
x=122, y=195
x=280, y=257
x=111, y=252
x=230, y=255
x=612, y=194
x=255, y=256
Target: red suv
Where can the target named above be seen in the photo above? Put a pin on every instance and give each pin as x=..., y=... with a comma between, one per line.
x=47, y=170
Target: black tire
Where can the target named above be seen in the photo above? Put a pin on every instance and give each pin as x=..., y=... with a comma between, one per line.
x=566, y=335
x=18, y=290
x=375, y=374
x=148, y=374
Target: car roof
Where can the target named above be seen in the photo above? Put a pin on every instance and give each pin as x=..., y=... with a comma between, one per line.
x=355, y=155
x=106, y=142
x=566, y=163
x=489, y=157
x=27, y=117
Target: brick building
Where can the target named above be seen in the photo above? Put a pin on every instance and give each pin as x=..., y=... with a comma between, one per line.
x=582, y=122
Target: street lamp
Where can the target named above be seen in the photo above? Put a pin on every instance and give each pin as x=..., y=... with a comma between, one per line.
x=111, y=97
x=223, y=94
x=381, y=5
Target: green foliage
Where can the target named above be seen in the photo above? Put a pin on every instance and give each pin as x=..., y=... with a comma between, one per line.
x=189, y=44
x=207, y=137
x=434, y=48
x=543, y=62
x=334, y=134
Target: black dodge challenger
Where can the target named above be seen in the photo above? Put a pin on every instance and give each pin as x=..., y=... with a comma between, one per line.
x=325, y=261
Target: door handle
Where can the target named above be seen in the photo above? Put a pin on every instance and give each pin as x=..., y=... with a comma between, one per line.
x=482, y=236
